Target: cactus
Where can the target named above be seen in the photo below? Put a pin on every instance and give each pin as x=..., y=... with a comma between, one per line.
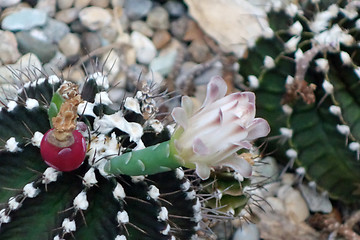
x=304, y=70
x=42, y=202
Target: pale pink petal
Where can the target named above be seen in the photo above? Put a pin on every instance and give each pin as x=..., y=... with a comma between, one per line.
x=259, y=128
x=203, y=171
x=216, y=89
x=200, y=148
x=180, y=117
x=188, y=105
x=239, y=165
x=250, y=96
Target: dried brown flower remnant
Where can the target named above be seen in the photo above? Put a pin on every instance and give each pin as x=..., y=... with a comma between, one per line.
x=65, y=122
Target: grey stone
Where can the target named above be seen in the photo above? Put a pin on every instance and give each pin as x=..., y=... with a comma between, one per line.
x=136, y=9
x=8, y=3
x=90, y=41
x=158, y=18
x=47, y=6
x=24, y=19
x=175, y=8
x=142, y=27
x=28, y=44
x=178, y=27
x=163, y=64
x=70, y=45
x=81, y=3
x=65, y=4
x=67, y=15
x=55, y=30
x=100, y=3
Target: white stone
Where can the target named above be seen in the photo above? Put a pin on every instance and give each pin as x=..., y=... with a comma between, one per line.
x=8, y=3
x=295, y=206
x=247, y=231
x=94, y=18
x=144, y=47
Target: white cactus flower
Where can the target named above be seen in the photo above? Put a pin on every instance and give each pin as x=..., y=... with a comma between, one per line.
x=211, y=136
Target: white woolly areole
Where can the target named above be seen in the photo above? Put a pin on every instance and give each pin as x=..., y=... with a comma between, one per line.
x=50, y=175
x=299, y=54
x=102, y=147
x=300, y=171
x=103, y=98
x=354, y=146
x=122, y=237
x=163, y=214
x=268, y=33
x=12, y=145
x=166, y=230
x=100, y=79
x=136, y=179
x=3, y=217
x=86, y=108
x=31, y=103
x=30, y=191
x=53, y=79
x=291, y=10
x=296, y=28
x=253, y=81
x=334, y=36
x=11, y=105
x=291, y=153
x=13, y=203
x=132, y=104
x=68, y=226
x=185, y=186
x=269, y=62
x=89, y=178
x=57, y=237
x=190, y=195
x=41, y=80
x=153, y=192
x=343, y=129
x=80, y=201
x=122, y=217
x=286, y=132
x=328, y=87
x=336, y=110
x=287, y=109
x=119, y=192
x=345, y=58
x=36, y=139
x=179, y=173
x=323, y=64
x=291, y=44
x=156, y=125
x=289, y=80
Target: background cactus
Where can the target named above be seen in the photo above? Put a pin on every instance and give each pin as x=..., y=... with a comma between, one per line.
x=305, y=72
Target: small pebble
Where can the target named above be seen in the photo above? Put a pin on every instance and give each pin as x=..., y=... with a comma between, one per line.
x=67, y=15
x=79, y=4
x=90, y=41
x=8, y=47
x=142, y=27
x=175, y=8
x=158, y=18
x=70, y=45
x=47, y=6
x=65, y=4
x=136, y=9
x=248, y=231
x=163, y=64
x=178, y=27
x=8, y=3
x=100, y=3
x=94, y=18
x=161, y=38
x=55, y=30
x=28, y=44
x=24, y=19
x=144, y=47
x=199, y=51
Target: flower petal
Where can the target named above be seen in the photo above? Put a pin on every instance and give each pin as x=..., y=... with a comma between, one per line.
x=216, y=89
x=203, y=171
x=239, y=165
x=199, y=147
x=180, y=117
x=188, y=105
x=259, y=128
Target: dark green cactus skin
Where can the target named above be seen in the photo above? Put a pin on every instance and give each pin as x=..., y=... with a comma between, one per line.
x=42, y=216
x=321, y=149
